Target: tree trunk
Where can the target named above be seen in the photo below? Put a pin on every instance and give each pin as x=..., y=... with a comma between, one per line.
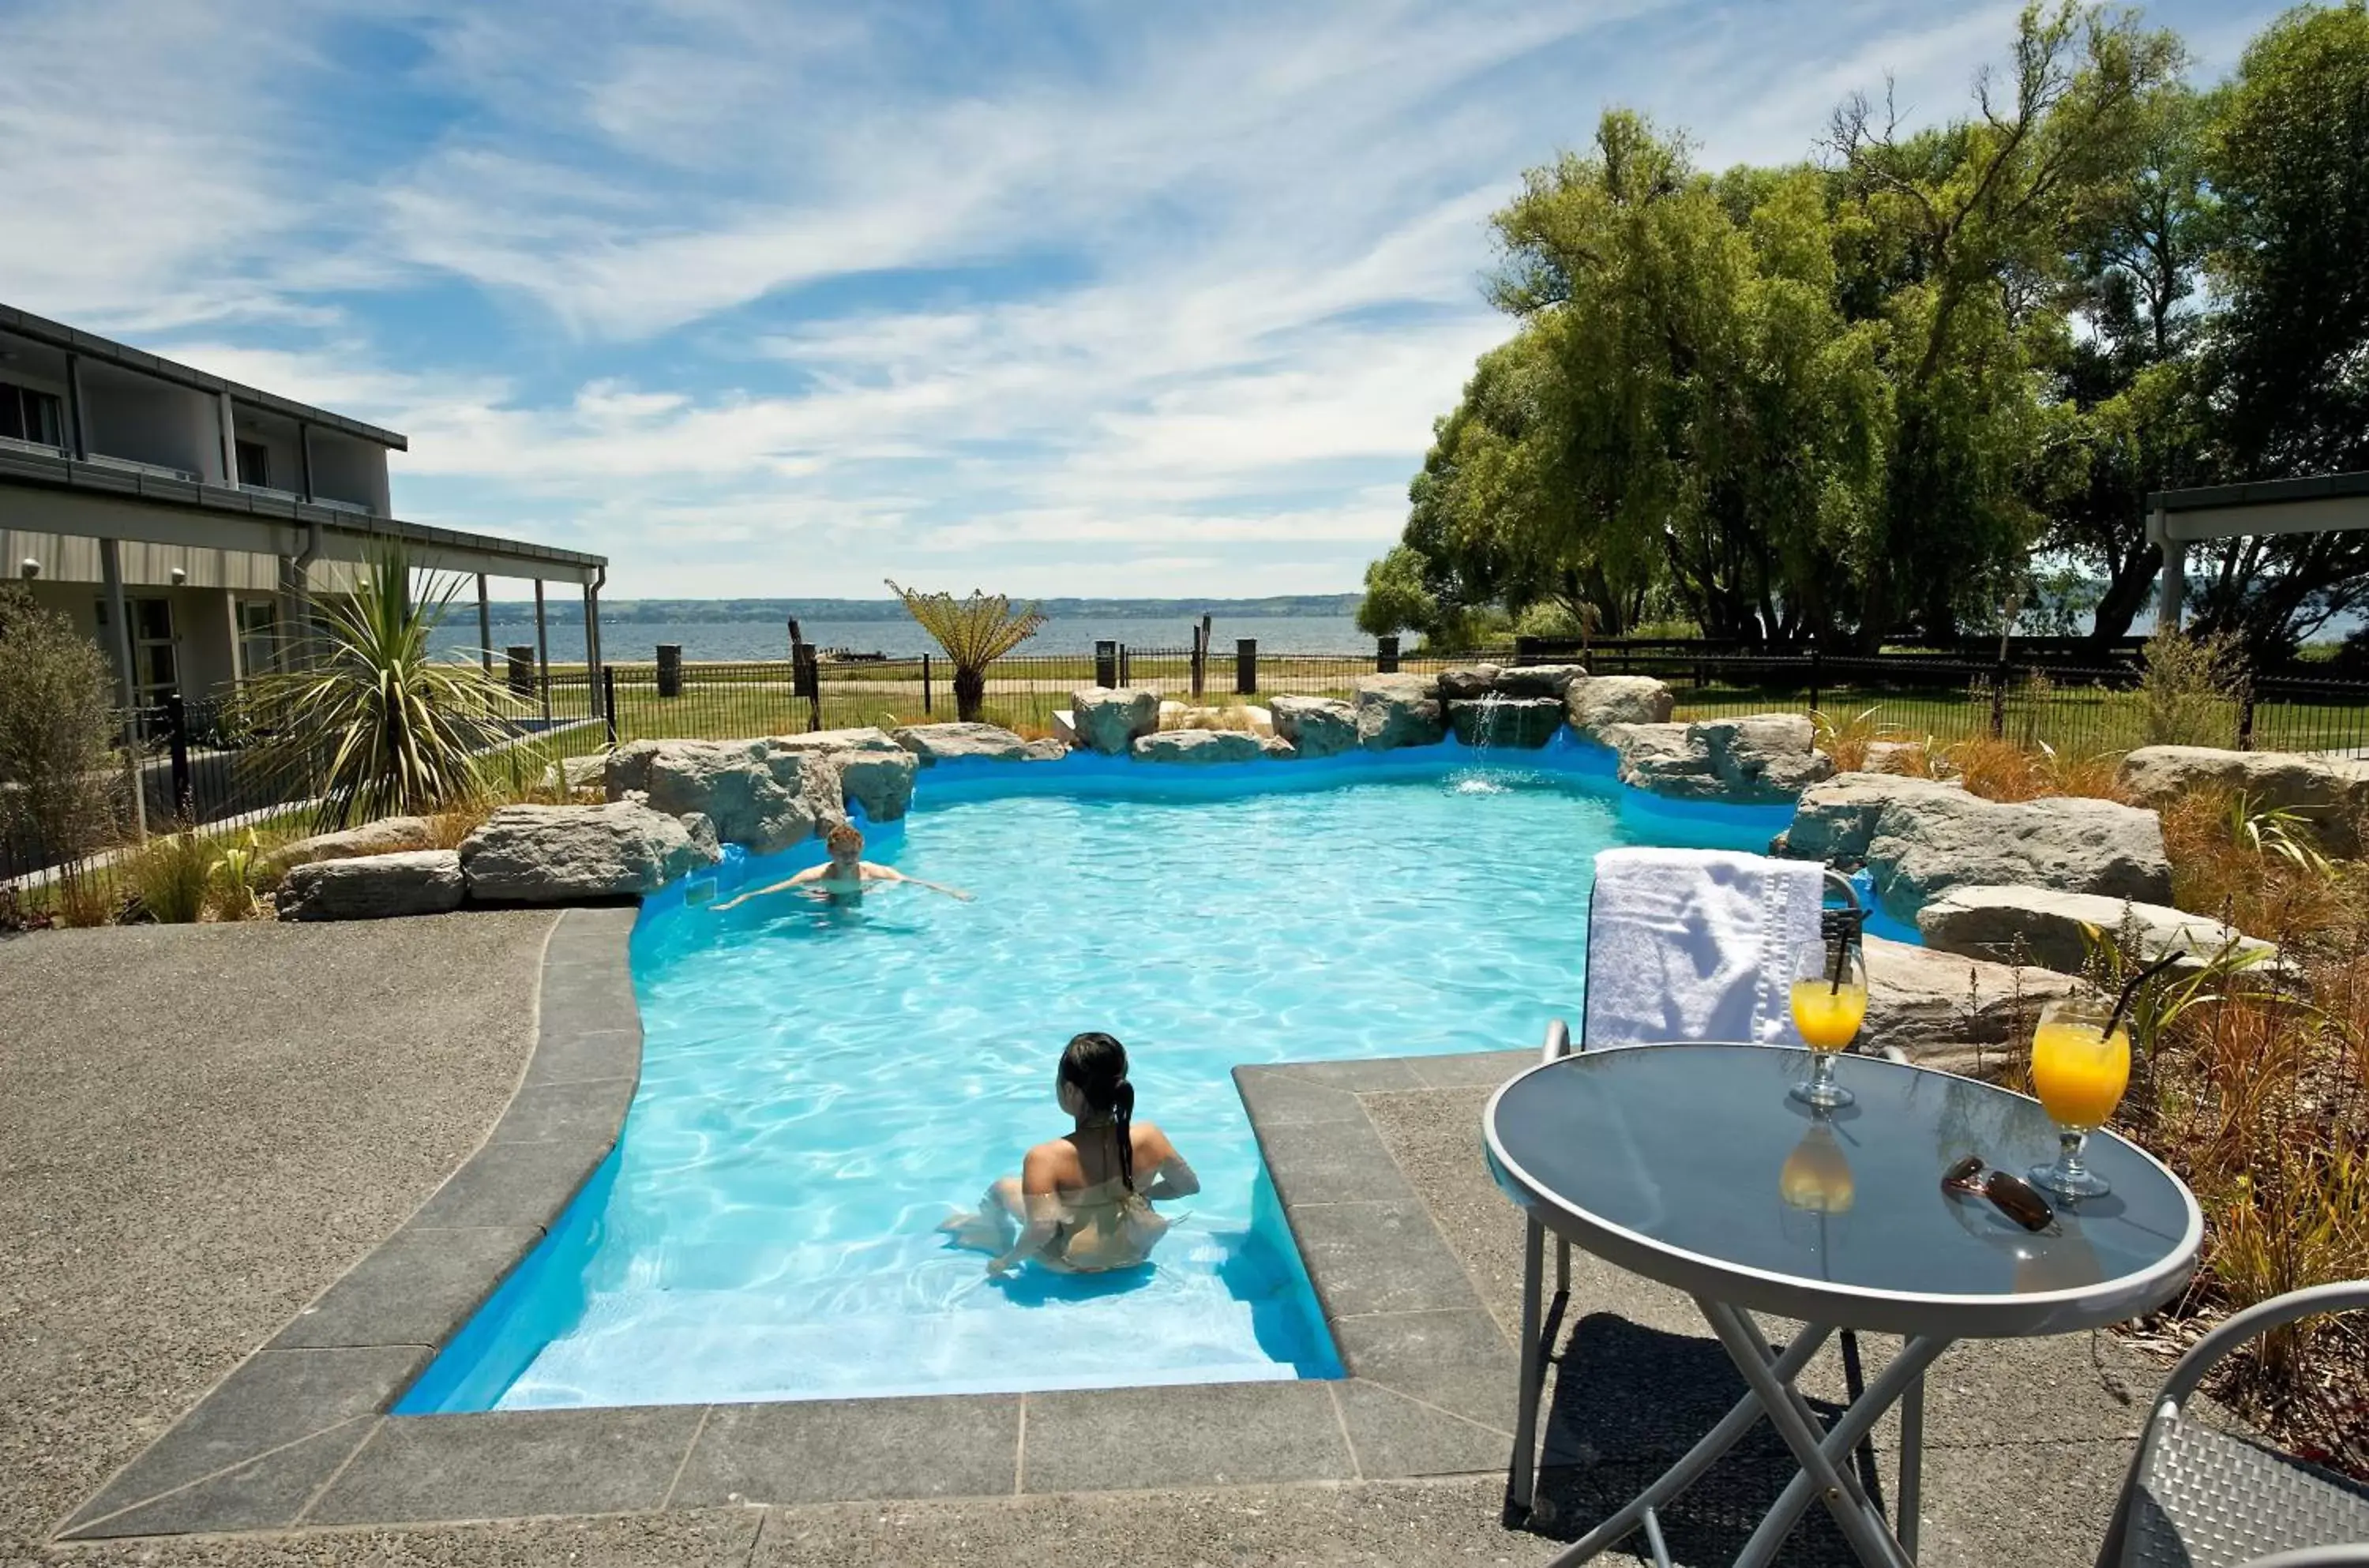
x=2126, y=594
x=970, y=694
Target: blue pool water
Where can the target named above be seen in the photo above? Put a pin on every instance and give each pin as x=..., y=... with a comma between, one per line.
x=821, y=1087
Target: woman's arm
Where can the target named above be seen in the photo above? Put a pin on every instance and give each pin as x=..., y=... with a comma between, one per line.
x=782, y=886
x=890, y=874
x=1171, y=1177
x=1046, y=1212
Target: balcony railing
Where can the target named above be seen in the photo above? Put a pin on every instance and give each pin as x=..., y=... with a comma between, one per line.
x=131, y=465
x=39, y=449
x=354, y=507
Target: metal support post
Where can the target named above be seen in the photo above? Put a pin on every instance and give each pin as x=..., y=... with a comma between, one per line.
x=1107, y=664
x=542, y=652
x=1246, y=667
x=925, y=685
x=592, y=664
x=609, y=703
x=118, y=622
x=484, y=627
x=1386, y=655
x=176, y=736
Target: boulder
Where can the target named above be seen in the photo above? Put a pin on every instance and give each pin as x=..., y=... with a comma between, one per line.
x=2052, y=929
x=1278, y=747
x=1931, y=839
x=1199, y=746
x=1108, y=719
x=754, y=796
x=1931, y=1004
x=1890, y=756
x=1764, y=758
x=2331, y=793
x=1538, y=679
x=1248, y=717
x=388, y=835
x=1597, y=702
x=1398, y=710
x=1506, y=721
x=1834, y=818
x=935, y=743
x=880, y=781
x=867, y=737
x=1315, y=726
x=375, y=887
x=553, y=855
x=1465, y=683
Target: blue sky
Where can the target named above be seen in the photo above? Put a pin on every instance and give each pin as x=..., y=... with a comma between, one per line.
x=767, y=299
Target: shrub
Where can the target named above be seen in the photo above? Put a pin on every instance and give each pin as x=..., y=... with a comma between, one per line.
x=974, y=633
x=2191, y=689
x=386, y=728
x=58, y=777
x=235, y=876
x=170, y=877
x=1846, y=737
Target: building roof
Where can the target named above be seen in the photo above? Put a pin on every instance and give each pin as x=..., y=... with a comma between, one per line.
x=2261, y=493
x=106, y=350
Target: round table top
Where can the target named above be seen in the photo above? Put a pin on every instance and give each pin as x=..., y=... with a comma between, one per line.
x=1690, y=1164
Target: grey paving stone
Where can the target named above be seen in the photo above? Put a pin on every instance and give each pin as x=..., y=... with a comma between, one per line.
x=1209, y=1434
x=587, y=1109
x=1465, y=1069
x=1332, y=1162
x=1357, y=1076
x=1379, y=1258
x=836, y=1451
x=418, y=1288
x=507, y=1464
x=1393, y=1435
x=278, y=1398
x=2037, y=1503
x=266, y=1493
x=1277, y=1099
x=1457, y=1360
x=592, y=936
x=587, y=998
x=572, y=1054
x=512, y=1183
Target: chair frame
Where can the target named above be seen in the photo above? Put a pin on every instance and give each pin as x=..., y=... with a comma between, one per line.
x=2189, y=1374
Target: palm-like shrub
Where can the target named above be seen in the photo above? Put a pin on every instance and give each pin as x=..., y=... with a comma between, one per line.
x=381, y=727
x=975, y=632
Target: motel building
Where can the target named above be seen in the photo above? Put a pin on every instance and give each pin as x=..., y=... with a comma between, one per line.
x=180, y=520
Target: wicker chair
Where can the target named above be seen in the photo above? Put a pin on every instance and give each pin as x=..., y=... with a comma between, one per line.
x=2200, y=1498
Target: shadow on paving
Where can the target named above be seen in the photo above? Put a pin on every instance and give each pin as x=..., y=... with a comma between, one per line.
x=1627, y=1403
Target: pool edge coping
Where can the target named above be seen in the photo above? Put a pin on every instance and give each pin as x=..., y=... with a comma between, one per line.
x=298, y=1435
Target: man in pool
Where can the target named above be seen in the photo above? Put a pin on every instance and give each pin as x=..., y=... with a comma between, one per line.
x=841, y=879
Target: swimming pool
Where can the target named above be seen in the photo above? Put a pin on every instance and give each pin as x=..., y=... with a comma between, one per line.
x=821, y=1087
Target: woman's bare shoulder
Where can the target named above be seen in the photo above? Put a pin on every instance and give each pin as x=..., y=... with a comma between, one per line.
x=1150, y=1141
x=1055, y=1160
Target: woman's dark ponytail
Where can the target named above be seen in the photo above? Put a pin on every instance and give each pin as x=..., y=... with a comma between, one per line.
x=1123, y=1101
x=1095, y=1064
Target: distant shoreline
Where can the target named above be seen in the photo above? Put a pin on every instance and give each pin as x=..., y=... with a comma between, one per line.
x=712, y=611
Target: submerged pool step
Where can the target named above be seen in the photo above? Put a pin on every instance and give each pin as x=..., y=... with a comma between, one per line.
x=720, y=1346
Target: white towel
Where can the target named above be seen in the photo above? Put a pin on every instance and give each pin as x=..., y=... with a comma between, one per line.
x=1697, y=944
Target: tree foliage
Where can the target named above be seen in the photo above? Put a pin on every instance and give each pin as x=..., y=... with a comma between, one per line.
x=59, y=776
x=974, y=633
x=1922, y=384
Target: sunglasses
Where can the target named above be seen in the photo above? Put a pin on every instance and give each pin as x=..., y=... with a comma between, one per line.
x=2011, y=1195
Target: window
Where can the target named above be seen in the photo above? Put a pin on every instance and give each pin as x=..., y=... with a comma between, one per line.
x=27, y=414
x=259, y=635
x=254, y=464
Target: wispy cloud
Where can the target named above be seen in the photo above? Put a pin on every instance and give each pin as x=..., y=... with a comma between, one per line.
x=1064, y=298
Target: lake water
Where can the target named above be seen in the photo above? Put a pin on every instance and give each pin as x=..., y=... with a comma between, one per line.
x=733, y=640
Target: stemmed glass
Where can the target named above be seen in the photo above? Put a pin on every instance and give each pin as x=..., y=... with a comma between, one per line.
x=1829, y=1001
x=2080, y=1065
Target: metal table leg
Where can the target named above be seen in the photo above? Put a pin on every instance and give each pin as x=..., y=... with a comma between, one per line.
x=1521, y=1485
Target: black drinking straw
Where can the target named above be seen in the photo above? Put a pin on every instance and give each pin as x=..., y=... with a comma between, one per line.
x=2131, y=989
x=1838, y=924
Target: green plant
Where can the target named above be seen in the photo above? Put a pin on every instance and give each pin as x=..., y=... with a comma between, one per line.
x=2276, y=830
x=1847, y=738
x=2189, y=689
x=170, y=875
x=384, y=727
x=58, y=729
x=234, y=875
x=974, y=633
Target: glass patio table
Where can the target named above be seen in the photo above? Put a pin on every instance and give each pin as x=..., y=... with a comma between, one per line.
x=1689, y=1164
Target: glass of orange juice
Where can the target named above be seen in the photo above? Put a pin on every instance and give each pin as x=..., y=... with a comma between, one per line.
x=2080, y=1070
x=1829, y=1001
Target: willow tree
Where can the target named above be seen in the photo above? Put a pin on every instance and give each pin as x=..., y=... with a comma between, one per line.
x=974, y=633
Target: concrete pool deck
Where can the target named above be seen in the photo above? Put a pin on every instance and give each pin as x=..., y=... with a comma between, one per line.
x=208, y=1127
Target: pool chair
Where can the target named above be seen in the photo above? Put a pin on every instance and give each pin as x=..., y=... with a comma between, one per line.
x=2201, y=1498
x=1750, y=910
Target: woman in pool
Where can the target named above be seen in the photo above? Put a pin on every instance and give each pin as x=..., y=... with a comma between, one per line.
x=840, y=878
x=1077, y=1204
